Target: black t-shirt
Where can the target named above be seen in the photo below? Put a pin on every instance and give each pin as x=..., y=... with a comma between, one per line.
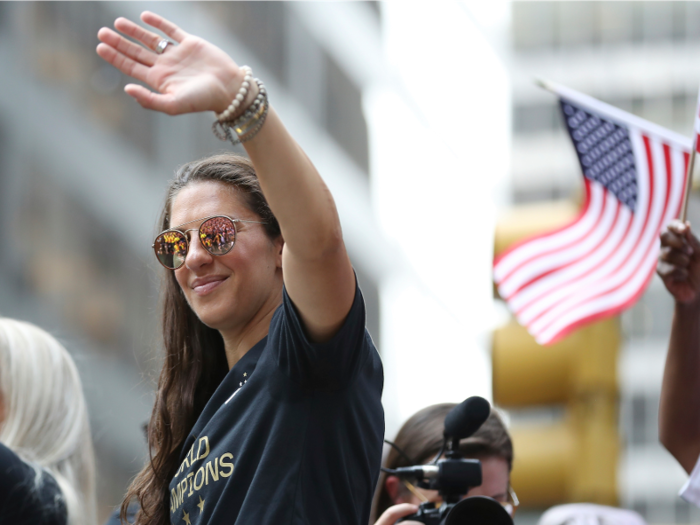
x=22, y=500
x=292, y=436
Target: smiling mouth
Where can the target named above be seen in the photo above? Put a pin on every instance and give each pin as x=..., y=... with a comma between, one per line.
x=206, y=288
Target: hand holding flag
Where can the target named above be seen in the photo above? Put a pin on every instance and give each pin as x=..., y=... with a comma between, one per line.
x=679, y=262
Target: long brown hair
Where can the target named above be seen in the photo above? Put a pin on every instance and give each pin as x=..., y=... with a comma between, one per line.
x=195, y=361
x=420, y=438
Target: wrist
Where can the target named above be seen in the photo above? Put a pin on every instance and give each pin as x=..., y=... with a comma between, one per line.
x=238, y=128
x=690, y=308
x=240, y=94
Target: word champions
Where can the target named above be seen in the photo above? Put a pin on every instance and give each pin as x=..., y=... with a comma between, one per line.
x=211, y=471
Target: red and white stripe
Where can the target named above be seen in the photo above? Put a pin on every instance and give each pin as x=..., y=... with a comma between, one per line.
x=599, y=264
x=697, y=125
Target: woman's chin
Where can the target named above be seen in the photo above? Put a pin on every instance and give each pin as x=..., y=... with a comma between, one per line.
x=214, y=318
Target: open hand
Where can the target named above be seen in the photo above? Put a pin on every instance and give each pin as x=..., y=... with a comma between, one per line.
x=189, y=76
x=679, y=262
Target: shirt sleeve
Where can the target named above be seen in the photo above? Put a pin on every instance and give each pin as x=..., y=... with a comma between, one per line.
x=332, y=365
x=691, y=490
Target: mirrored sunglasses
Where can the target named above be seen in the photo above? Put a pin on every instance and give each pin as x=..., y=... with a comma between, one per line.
x=217, y=235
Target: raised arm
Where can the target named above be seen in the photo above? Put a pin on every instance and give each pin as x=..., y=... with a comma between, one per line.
x=194, y=76
x=679, y=410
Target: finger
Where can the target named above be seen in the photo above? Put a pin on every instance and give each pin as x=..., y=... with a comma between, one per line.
x=396, y=512
x=164, y=25
x=679, y=275
x=674, y=257
x=124, y=64
x=150, y=100
x=673, y=240
x=125, y=47
x=692, y=239
x=678, y=227
x=668, y=271
x=135, y=31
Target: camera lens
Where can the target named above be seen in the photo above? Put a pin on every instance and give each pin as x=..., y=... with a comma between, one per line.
x=478, y=510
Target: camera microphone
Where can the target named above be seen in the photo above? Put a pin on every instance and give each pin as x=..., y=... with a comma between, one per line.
x=466, y=418
x=418, y=472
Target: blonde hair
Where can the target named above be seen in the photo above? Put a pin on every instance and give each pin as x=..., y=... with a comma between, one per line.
x=45, y=415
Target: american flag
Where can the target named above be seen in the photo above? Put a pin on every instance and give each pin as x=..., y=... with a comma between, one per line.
x=598, y=265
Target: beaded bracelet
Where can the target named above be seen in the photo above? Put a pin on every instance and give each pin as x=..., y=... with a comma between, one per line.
x=239, y=98
x=247, y=125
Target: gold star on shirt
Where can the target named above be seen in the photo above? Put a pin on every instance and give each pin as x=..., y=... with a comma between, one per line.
x=186, y=517
x=245, y=374
x=201, y=504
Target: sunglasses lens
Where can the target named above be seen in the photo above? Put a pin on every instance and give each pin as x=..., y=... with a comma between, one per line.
x=218, y=235
x=171, y=249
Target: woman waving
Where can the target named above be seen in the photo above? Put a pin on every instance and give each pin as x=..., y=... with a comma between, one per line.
x=268, y=405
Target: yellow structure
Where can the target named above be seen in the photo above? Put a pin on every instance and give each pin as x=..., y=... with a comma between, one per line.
x=574, y=459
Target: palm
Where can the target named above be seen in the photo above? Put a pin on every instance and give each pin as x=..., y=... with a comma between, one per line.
x=191, y=76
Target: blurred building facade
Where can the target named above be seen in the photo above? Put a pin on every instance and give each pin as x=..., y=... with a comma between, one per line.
x=639, y=56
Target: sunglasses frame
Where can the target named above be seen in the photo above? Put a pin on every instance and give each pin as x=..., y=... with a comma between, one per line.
x=187, y=241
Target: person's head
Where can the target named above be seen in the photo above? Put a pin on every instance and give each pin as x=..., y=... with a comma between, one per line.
x=420, y=438
x=224, y=291
x=44, y=417
x=237, y=287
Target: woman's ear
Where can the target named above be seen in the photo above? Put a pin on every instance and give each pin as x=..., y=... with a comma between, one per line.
x=393, y=489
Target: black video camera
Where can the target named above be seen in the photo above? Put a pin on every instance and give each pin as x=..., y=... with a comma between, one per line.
x=453, y=476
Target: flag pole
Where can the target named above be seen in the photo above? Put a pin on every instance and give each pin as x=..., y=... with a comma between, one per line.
x=545, y=85
x=688, y=180
x=691, y=164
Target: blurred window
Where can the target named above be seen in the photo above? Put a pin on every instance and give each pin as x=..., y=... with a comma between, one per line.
x=691, y=17
x=345, y=119
x=537, y=117
x=4, y=15
x=542, y=25
x=280, y=40
x=682, y=511
x=533, y=194
x=576, y=23
x=258, y=25
x=616, y=21
x=78, y=265
x=62, y=54
x=306, y=64
x=375, y=9
x=533, y=24
x=675, y=112
x=638, y=425
x=657, y=20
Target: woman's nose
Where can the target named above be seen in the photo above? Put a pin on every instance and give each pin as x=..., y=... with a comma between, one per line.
x=197, y=255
